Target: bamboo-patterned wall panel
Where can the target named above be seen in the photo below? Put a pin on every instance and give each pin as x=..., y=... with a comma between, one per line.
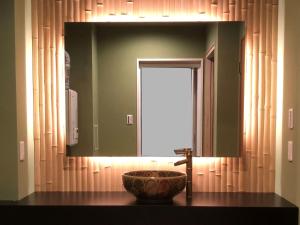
x=253, y=172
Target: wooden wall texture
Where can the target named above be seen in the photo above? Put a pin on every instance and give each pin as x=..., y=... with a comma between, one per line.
x=253, y=172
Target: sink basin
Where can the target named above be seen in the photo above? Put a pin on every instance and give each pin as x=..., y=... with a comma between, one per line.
x=154, y=186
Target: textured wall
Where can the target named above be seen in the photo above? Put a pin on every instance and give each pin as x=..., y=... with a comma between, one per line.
x=254, y=171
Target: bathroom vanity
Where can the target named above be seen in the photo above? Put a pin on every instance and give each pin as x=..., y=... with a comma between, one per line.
x=121, y=208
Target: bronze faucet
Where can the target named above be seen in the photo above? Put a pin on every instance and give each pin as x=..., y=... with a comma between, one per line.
x=188, y=153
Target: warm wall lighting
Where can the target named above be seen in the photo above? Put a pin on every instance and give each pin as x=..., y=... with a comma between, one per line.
x=61, y=93
x=151, y=163
x=131, y=18
x=99, y=4
x=247, y=91
x=279, y=102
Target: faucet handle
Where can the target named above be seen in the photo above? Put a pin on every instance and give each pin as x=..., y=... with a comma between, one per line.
x=183, y=151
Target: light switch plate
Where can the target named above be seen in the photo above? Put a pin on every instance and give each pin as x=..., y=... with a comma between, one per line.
x=22, y=151
x=129, y=119
x=290, y=151
x=291, y=118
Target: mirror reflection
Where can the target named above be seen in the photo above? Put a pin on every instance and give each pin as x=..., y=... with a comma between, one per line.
x=145, y=89
x=166, y=110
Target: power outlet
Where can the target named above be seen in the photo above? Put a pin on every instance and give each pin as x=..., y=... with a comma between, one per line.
x=129, y=119
x=290, y=151
x=22, y=151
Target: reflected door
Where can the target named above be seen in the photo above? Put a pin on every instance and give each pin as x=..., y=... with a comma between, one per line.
x=166, y=110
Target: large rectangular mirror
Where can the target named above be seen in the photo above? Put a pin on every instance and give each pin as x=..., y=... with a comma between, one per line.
x=145, y=89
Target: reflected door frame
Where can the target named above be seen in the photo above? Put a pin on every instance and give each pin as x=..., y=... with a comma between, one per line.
x=196, y=64
x=208, y=98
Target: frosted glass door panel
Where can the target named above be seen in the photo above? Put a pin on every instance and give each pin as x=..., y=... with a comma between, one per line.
x=167, y=107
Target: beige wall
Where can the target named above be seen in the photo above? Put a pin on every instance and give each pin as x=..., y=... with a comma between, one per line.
x=8, y=128
x=16, y=178
x=289, y=183
x=24, y=91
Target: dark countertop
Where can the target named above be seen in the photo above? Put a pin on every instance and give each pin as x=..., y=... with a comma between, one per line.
x=212, y=199
x=121, y=208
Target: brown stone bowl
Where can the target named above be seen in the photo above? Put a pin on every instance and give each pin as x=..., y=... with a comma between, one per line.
x=154, y=186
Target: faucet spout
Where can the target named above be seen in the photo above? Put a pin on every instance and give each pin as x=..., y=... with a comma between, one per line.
x=180, y=162
x=187, y=152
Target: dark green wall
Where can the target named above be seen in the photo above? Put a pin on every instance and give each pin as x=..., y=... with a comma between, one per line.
x=8, y=118
x=227, y=106
x=118, y=50
x=81, y=80
x=226, y=38
x=211, y=36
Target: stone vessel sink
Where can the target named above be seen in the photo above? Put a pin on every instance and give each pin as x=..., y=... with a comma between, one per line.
x=154, y=186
